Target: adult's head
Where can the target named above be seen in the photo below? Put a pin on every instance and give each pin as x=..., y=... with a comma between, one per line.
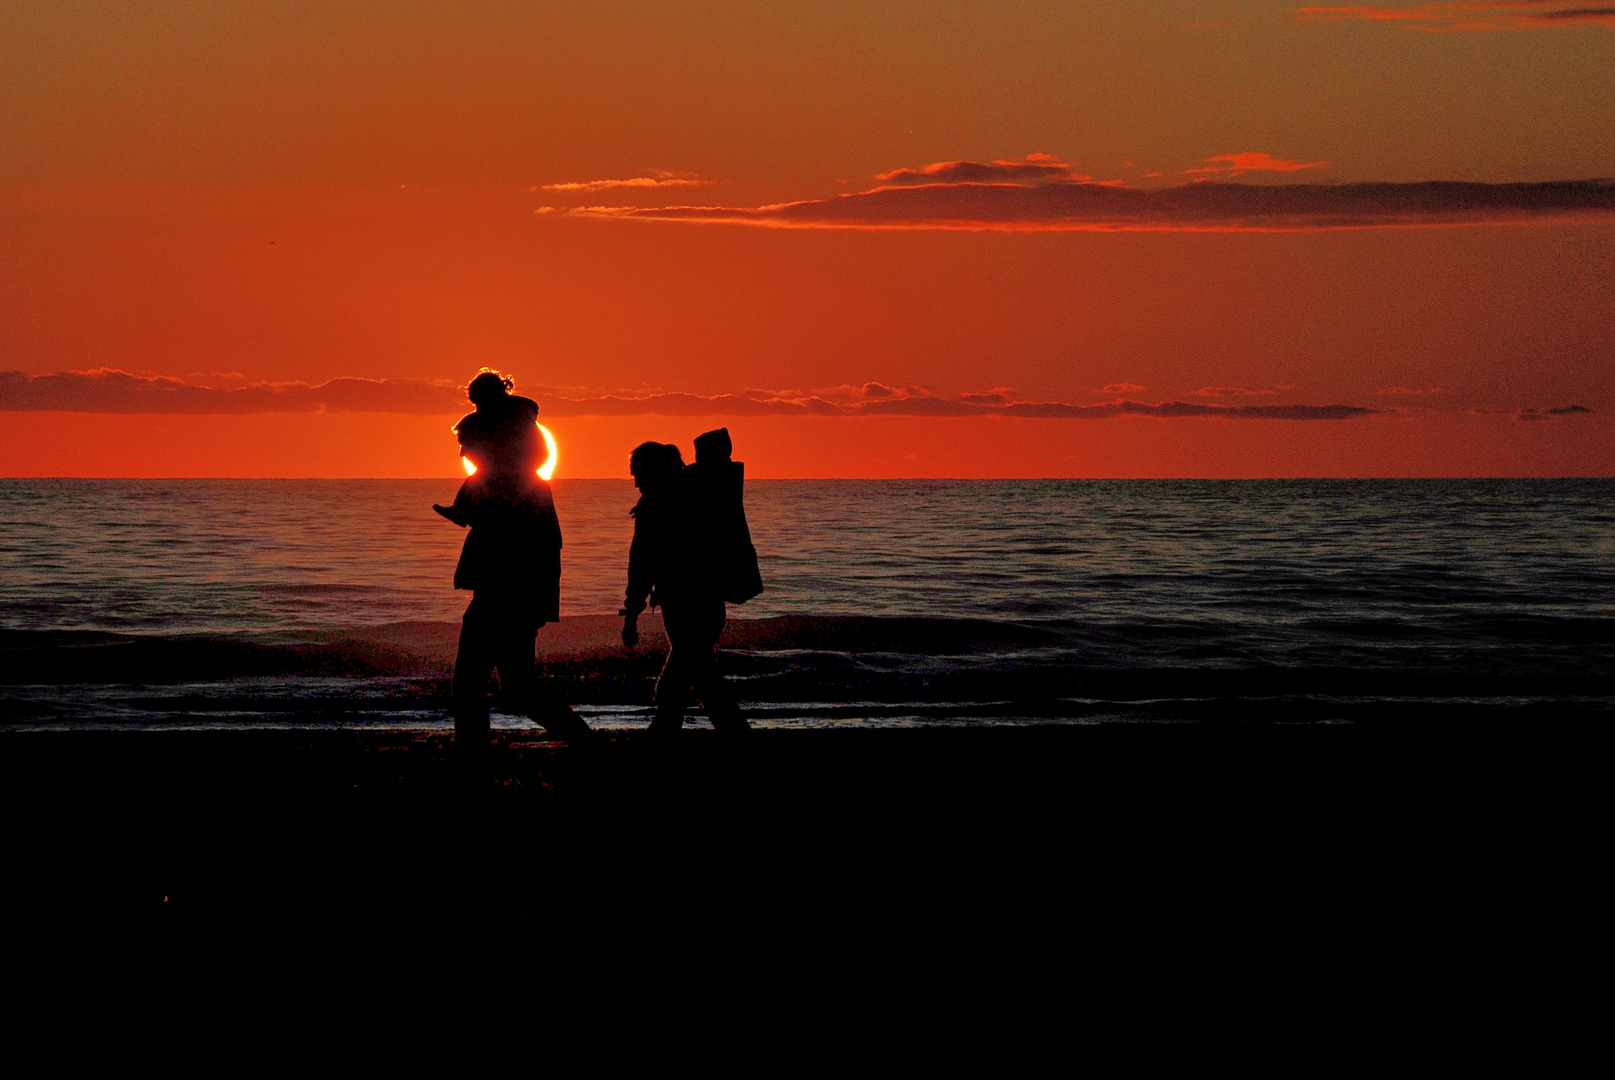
x=654, y=465
x=489, y=388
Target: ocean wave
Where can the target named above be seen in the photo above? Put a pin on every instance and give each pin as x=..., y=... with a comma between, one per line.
x=425, y=647
x=87, y=656
x=804, y=658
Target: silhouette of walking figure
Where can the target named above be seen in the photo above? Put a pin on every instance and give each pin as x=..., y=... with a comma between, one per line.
x=691, y=552
x=511, y=564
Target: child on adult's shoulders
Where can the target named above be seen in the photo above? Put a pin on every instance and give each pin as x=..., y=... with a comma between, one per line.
x=500, y=439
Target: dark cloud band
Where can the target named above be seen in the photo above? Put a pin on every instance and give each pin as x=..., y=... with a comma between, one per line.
x=111, y=391
x=1466, y=15
x=1022, y=206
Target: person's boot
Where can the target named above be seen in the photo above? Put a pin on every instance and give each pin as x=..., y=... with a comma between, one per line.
x=562, y=723
x=726, y=718
x=473, y=761
x=471, y=755
x=665, y=725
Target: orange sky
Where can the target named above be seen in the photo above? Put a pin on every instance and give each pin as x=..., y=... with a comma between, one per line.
x=199, y=200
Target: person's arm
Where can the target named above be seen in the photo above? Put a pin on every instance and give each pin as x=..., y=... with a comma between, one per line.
x=641, y=574
x=544, y=507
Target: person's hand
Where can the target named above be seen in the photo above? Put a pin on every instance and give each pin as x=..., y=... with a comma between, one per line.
x=451, y=513
x=630, y=631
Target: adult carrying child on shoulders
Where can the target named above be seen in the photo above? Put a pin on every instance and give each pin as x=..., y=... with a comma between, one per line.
x=511, y=564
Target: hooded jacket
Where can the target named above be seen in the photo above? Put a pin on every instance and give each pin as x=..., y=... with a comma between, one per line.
x=723, y=560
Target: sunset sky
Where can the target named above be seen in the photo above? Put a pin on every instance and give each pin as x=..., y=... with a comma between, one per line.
x=1174, y=238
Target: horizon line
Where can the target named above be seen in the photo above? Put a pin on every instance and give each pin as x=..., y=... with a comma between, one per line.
x=880, y=479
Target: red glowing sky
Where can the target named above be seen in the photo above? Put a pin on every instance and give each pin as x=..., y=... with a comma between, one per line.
x=1183, y=238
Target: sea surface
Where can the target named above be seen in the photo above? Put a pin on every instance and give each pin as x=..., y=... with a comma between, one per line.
x=209, y=603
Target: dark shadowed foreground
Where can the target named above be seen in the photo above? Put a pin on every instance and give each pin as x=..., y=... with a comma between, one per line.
x=1022, y=872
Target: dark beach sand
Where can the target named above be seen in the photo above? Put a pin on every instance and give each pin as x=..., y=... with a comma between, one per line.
x=976, y=882
x=1051, y=819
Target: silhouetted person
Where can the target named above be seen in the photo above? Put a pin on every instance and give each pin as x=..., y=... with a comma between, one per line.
x=683, y=558
x=511, y=563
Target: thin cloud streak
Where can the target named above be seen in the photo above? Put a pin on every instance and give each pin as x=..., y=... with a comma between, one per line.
x=1231, y=391
x=1232, y=165
x=1553, y=413
x=658, y=179
x=1177, y=410
x=1041, y=194
x=107, y=390
x=1457, y=16
x=1034, y=169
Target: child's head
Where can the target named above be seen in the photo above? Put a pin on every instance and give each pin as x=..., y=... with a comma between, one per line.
x=489, y=388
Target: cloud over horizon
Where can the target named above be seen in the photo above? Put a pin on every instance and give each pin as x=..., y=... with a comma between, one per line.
x=109, y=390
x=1439, y=16
x=1043, y=194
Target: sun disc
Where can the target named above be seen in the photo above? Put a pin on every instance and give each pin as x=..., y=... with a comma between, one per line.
x=547, y=470
x=469, y=468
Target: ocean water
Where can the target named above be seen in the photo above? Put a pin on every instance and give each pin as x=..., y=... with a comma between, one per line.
x=219, y=603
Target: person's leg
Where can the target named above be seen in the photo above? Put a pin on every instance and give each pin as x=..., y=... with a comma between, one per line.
x=536, y=697
x=707, y=681
x=711, y=686
x=673, y=685
x=473, y=663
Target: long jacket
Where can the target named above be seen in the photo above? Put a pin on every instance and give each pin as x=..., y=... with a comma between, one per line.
x=513, y=551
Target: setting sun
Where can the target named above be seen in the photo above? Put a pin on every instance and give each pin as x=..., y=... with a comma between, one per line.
x=545, y=471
